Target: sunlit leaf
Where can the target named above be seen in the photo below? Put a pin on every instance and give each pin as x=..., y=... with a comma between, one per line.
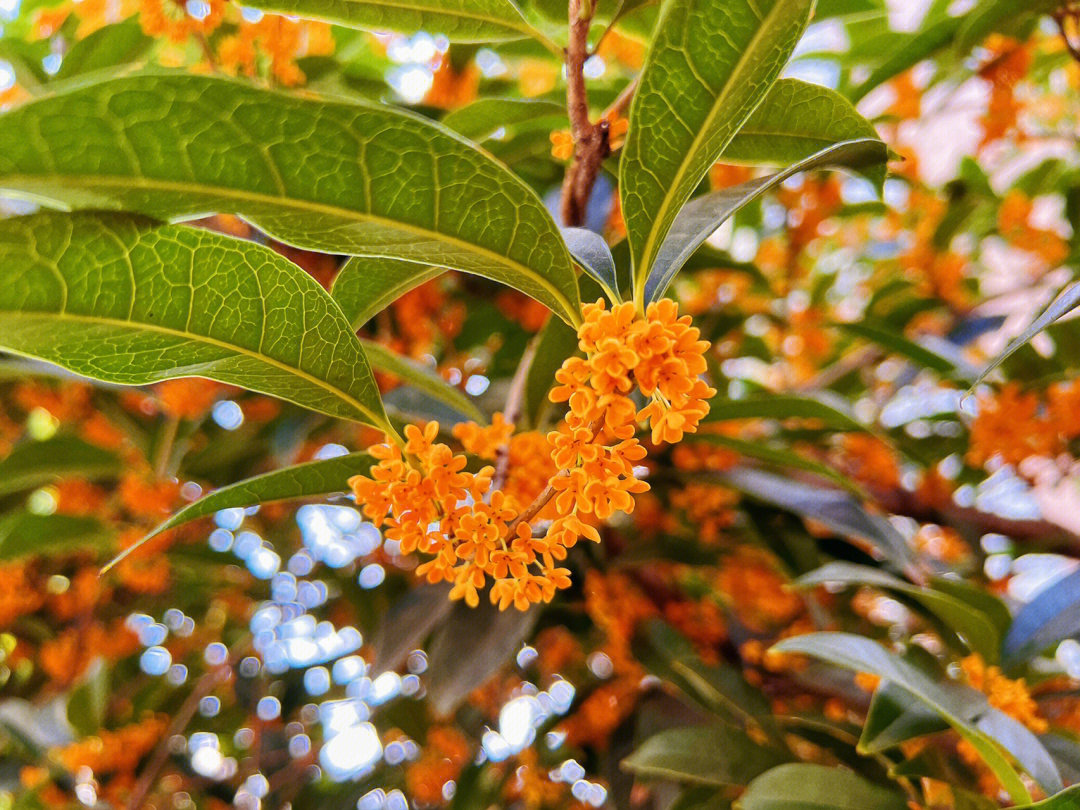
x=1059, y=308
x=458, y=20
x=122, y=299
x=796, y=121
x=364, y=287
x=308, y=480
x=358, y=179
x=710, y=64
x=484, y=117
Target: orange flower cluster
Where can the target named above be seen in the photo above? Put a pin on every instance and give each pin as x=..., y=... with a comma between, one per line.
x=428, y=502
x=1014, y=222
x=170, y=19
x=1015, y=425
x=282, y=40
x=562, y=142
x=452, y=88
x=1007, y=67
x=114, y=751
x=19, y=594
x=661, y=353
x=1008, y=695
x=446, y=752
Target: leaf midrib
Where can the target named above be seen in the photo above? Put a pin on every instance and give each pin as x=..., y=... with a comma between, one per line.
x=523, y=27
x=651, y=243
x=88, y=180
x=139, y=325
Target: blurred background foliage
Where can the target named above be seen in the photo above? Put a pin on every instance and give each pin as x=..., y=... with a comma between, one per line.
x=846, y=481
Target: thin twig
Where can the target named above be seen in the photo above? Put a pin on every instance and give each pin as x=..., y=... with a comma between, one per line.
x=205, y=685
x=515, y=400
x=622, y=101
x=164, y=451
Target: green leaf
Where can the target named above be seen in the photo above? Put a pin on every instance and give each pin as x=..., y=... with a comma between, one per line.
x=24, y=533
x=365, y=287
x=458, y=20
x=484, y=117
x=703, y=755
x=989, y=15
x=908, y=50
x=107, y=47
x=357, y=179
x=710, y=64
x=557, y=342
x=802, y=786
x=593, y=254
x=470, y=647
x=308, y=480
x=976, y=630
x=122, y=299
x=777, y=456
x=1059, y=308
x=408, y=622
x=1068, y=799
x=836, y=509
x=33, y=464
x=834, y=414
x=721, y=690
x=796, y=121
x=700, y=218
x=89, y=701
x=894, y=718
x=422, y=379
x=963, y=708
x=953, y=367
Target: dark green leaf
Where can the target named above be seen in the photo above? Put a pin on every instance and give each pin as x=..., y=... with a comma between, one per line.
x=1052, y=616
x=706, y=755
x=802, y=786
x=977, y=631
x=33, y=464
x=894, y=718
x=837, y=509
x=470, y=647
x=557, y=342
x=834, y=413
x=358, y=179
x=408, y=622
x=953, y=367
x=593, y=254
x=23, y=534
x=702, y=216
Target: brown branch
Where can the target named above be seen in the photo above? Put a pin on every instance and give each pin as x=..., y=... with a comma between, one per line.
x=591, y=144
x=205, y=685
